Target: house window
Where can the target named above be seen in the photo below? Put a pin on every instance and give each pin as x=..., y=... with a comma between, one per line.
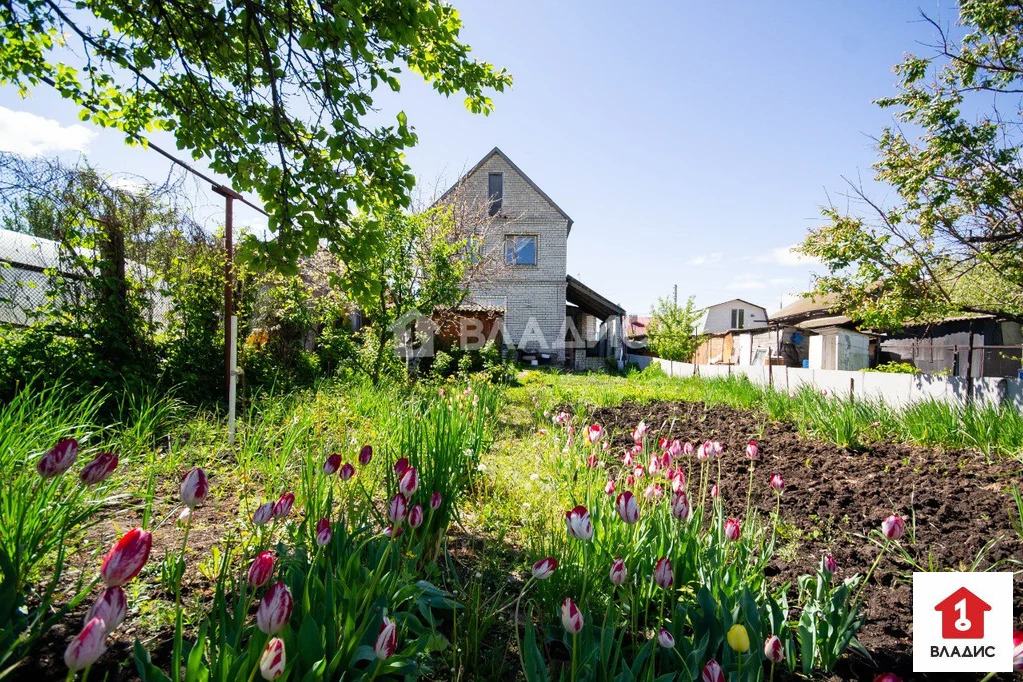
x=520, y=249
x=495, y=192
x=738, y=318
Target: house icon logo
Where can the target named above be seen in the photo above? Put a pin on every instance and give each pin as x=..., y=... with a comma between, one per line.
x=962, y=615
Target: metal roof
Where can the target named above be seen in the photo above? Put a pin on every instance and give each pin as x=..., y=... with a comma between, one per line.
x=589, y=300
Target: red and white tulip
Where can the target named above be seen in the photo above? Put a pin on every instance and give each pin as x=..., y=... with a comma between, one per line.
x=275, y=609
x=58, y=459
x=893, y=527
x=86, y=648
x=194, y=487
x=99, y=468
x=387, y=640
x=594, y=433
x=544, y=568
x=261, y=569
x=773, y=649
x=627, y=507
x=323, y=532
x=664, y=576
x=283, y=505
x=408, y=484
x=665, y=639
x=579, y=524
x=435, y=500
x=126, y=558
x=712, y=672
x=733, y=529
x=571, y=616
x=618, y=571
x=397, y=509
x=777, y=482
x=263, y=513
x=415, y=516
x=273, y=661
x=110, y=607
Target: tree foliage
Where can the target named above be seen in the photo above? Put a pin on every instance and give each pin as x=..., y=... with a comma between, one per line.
x=274, y=94
x=672, y=330
x=952, y=241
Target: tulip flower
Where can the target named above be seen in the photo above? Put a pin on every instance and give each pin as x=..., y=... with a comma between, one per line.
x=185, y=517
x=664, y=576
x=99, y=468
x=415, y=516
x=606, y=446
x=680, y=506
x=662, y=443
x=194, y=488
x=571, y=617
x=653, y=492
x=752, y=451
x=392, y=532
x=675, y=449
x=702, y=453
x=893, y=527
x=777, y=482
x=773, y=650
x=638, y=472
x=544, y=568
x=400, y=466
x=609, y=488
x=283, y=505
x=323, y=532
x=665, y=639
x=738, y=638
x=273, y=661
x=409, y=482
x=628, y=460
x=387, y=640
x=594, y=433
x=110, y=607
x=366, y=455
x=887, y=677
x=712, y=672
x=688, y=449
x=275, y=609
x=630, y=480
x=579, y=525
x=397, y=509
x=678, y=481
x=627, y=507
x=829, y=563
x=332, y=464
x=262, y=569
x=435, y=500
x=654, y=466
x=346, y=471
x=126, y=558
x=639, y=432
x=732, y=529
x=58, y=459
x=618, y=572
x=714, y=492
x=86, y=648
x=1017, y=650
x=591, y=462
x=263, y=513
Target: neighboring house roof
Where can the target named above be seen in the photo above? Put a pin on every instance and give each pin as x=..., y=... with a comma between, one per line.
x=518, y=170
x=821, y=322
x=589, y=300
x=637, y=326
x=805, y=309
x=736, y=300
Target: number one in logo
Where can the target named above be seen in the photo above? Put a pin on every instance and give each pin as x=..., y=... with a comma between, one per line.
x=963, y=623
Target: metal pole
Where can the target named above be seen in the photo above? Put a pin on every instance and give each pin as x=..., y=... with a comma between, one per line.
x=232, y=384
x=229, y=196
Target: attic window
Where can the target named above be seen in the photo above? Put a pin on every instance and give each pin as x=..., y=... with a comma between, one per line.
x=738, y=315
x=495, y=192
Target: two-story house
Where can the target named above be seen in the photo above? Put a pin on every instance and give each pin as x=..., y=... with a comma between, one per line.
x=548, y=315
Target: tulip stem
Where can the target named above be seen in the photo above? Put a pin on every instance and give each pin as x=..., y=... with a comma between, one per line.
x=179, y=566
x=749, y=492
x=856, y=599
x=772, y=671
x=575, y=645
x=738, y=656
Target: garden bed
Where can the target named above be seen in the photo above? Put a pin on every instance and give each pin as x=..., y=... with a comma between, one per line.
x=834, y=497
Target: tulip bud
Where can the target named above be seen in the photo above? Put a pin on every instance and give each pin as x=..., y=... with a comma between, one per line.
x=392, y=531
x=366, y=454
x=630, y=480
x=544, y=568
x=688, y=449
x=110, y=607
x=605, y=446
x=738, y=638
x=126, y=558
x=263, y=513
x=628, y=460
x=752, y=451
x=609, y=488
x=194, y=488
x=591, y=462
x=662, y=442
x=346, y=471
x=415, y=516
x=639, y=472
x=579, y=525
x=665, y=639
x=387, y=640
x=887, y=677
x=732, y=529
x=712, y=672
x=680, y=506
x=86, y=648
x=829, y=563
x=274, y=609
x=409, y=482
x=571, y=617
x=282, y=507
x=273, y=661
x=664, y=576
x=714, y=492
x=58, y=459
x=893, y=527
x=262, y=569
x=435, y=500
x=618, y=572
x=777, y=482
x=323, y=532
x=675, y=449
x=99, y=468
x=654, y=466
x=400, y=466
x=627, y=507
x=185, y=517
x=397, y=509
x=773, y=650
x=594, y=433
x=1017, y=650
x=332, y=464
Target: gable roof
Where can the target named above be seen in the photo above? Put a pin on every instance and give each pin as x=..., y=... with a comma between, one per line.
x=736, y=300
x=529, y=181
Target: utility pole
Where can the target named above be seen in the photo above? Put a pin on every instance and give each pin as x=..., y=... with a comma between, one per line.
x=675, y=295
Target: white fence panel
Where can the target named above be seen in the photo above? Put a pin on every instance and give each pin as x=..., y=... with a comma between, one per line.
x=895, y=389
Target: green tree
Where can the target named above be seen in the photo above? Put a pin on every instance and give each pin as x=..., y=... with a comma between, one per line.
x=952, y=241
x=672, y=326
x=273, y=94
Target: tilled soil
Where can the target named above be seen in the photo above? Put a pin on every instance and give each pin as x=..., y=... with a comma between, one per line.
x=834, y=497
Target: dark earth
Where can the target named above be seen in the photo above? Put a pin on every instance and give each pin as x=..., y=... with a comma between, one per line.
x=835, y=497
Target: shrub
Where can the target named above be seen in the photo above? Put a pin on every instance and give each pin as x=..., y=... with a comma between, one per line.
x=895, y=368
x=443, y=364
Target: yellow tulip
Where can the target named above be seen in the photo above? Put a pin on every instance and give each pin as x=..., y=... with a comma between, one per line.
x=738, y=639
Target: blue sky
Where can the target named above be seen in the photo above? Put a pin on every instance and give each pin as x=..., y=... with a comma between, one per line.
x=691, y=142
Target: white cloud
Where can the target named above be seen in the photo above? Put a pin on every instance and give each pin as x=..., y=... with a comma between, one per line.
x=27, y=134
x=706, y=259
x=786, y=255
